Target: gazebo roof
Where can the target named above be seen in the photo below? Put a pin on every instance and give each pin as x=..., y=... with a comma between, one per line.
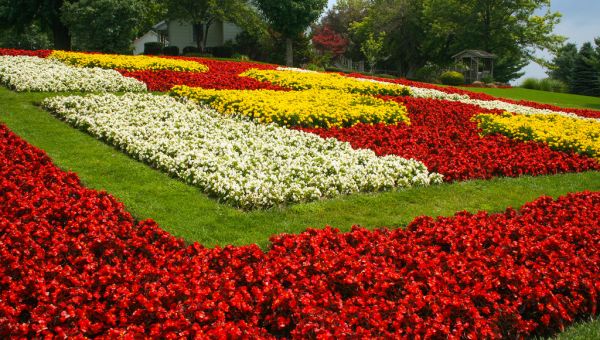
x=474, y=54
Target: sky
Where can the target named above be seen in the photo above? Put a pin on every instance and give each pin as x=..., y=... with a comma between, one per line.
x=580, y=23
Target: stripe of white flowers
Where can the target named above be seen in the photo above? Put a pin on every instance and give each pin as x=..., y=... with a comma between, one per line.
x=25, y=73
x=241, y=162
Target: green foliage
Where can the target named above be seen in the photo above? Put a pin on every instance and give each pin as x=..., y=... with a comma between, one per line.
x=488, y=79
x=102, y=25
x=432, y=31
x=429, y=73
x=21, y=14
x=547, y=84
x=153, y=48
x=152, y=12
x=553, y=85
x=585, y=79
x=562, y=65
x=225, y=51
x=170, y=50
x=452, y=78
x=340, y=18
x=531, y=84
x=30, y=38
x=290, y=18
x=373, y=49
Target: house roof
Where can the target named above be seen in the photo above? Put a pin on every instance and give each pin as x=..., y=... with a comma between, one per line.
x=475, y=54
x=161, y=26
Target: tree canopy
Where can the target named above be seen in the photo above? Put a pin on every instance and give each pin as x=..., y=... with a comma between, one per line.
x=103, y=25
x=290, y=18
x=422, y=32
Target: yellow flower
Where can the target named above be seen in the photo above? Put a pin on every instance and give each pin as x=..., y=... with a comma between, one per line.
x=309, y=108
x=127, y=62
x=557, y=131
x=332, y=81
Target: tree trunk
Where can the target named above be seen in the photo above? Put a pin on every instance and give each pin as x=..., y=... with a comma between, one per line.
x=61, y=36
x=206, y=27
x=199, y=36
x=289, y=52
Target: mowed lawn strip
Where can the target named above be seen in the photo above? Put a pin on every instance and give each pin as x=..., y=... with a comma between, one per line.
x=186, y=212
x=559, y=99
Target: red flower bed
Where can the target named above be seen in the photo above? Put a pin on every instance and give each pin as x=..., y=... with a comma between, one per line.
x=15, y=52
x=221, y=75
x=75, y=263
x=164, y=80
x=442, y=136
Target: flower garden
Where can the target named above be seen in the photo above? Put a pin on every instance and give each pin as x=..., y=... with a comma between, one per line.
x=259, y=140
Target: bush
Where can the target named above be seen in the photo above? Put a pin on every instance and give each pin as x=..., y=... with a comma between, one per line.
x=315, y=67
x=531, y=83
x=240, y=57
x=547, y=84
x=152, y=48
x=222, y=51
x=452, y=78
x=170, y=50
x=488, y=79
x=429, y=73
x=553, y=85
x=198, y=55
x=191, y=49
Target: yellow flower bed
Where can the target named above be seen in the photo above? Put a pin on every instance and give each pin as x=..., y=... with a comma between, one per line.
x=127, y=62
x=315, y=80
x=559, y=132
x=310, y=108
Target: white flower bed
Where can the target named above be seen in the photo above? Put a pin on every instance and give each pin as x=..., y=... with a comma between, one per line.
x=22, y=73
x=240, y=162
x=419, y=92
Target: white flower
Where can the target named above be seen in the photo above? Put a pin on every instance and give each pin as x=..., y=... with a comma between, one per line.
x=234, y=159
x=23, y=73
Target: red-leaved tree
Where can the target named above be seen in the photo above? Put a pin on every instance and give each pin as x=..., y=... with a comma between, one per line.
x=327, y=40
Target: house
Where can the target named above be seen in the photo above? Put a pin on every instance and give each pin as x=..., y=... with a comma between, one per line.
x=182, y=34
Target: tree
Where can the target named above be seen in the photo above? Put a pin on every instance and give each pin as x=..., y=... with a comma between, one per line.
x=103, y=25
x=585, y=79
x=21, y=14
x=373, y=49
x=340, y=19
x=203, y=13
x=402, y=21
x=511, y=29
x=562, y=65
x=328, y=41
x=31, y=38
x=290, y=18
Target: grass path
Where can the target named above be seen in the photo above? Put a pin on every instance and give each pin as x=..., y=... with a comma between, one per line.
x=558, y=99
x=185, y=212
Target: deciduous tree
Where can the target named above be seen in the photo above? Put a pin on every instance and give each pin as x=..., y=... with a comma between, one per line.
x=20, y=14
x=290, y=18
x=103, y=25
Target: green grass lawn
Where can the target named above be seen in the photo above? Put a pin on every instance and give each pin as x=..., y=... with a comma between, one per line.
x=186, y=212
x=558, y=99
